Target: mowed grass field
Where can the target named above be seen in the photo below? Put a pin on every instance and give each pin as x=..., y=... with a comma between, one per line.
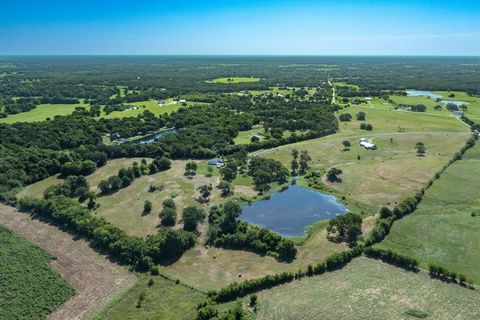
x=213, y=268
x=29, y=288
x=368, y=289
x=392, y=172
x=164, y=299
x=442, y=230
x=234, y=80
x=42, y=112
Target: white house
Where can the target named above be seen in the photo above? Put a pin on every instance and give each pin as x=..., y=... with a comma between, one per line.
x=182, y=101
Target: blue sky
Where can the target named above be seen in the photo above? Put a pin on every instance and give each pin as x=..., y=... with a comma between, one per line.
x=240, y=27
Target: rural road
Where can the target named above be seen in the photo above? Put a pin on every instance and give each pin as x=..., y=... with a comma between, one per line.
x=96, y=280
x=333, y=91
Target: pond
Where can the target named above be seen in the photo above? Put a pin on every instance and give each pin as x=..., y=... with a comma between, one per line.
x=290, y=211
x=417, y=93
x=155, y=136
x=458, y=103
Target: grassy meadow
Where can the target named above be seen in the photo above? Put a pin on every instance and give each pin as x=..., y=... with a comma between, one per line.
x=442, y=230
x=150, y=105
x=368, y=289
x=162, y=299
x=42, y=112
x=124, y=207
x=213, y=268
x=29, y=288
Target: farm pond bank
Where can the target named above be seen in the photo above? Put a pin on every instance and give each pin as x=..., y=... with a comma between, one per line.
x=289, y=212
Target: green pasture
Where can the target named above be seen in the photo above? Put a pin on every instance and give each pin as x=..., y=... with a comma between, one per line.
x=42, y=112
x=162, y=299
x=368, y=289
x=150, y=105
x=442, y=230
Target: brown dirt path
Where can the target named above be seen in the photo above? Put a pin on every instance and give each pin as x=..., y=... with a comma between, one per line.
x=97, y=281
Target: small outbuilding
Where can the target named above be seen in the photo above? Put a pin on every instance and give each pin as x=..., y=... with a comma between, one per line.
x=367, y=144
x=161, y=102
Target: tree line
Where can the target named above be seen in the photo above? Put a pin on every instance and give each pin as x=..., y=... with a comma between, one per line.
x=141, y=254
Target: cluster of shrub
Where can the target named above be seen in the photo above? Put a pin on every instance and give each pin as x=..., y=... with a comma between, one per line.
x=333, y=175
x=209, y=310
x=265, y=171
x=387, y=217
x=412, y=107
x=75, y=168
x=126, y=176
x=11, y=106
x=168, y=215
x=72, y=187
x=366, y=126
x=392, y=257
x=114, y=107
x=226, y=230
x=346, y=228
x=348, y=117
x=139, y=253
x=235, y=290
x=447, y=275
x=474, y=126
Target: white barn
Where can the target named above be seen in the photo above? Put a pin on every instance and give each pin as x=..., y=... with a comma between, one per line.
x=367, y=144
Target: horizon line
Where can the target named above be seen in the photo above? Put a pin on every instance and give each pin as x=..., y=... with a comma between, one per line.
x=232, y=55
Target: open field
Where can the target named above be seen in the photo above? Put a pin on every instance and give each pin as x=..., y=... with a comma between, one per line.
x=162, y=300
x=428, y=102
x=124, y=207
x=29, y=288
x=97, y=281
x=368, y=289
x=42, y=112
x=244, y=137
x=150, y=105
x=344, y=84
x=213, y=268
x=442, y=230
x=234, y=80
x=393, y=171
